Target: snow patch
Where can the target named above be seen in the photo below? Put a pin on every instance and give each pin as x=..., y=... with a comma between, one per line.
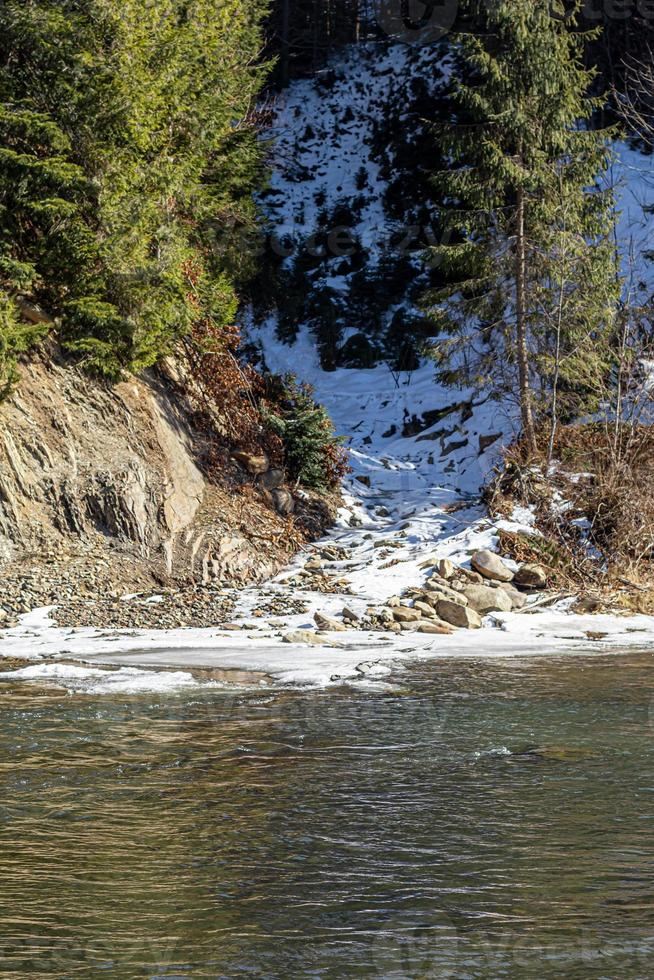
x=91, y=680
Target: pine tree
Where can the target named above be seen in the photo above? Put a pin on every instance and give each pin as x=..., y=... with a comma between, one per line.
x=127, y=164
x=527, y=220
x=313, y=455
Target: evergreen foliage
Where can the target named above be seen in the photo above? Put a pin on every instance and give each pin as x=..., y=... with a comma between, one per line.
x=127, y=165
x=16, y=337
x=313, y=455
x=527, y=217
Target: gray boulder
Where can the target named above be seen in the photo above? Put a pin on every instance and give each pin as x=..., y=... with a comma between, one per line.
x=518, y=600
x=384, y=614
x=435, y=627
x=484, y=599
x=457, y=615
x=464, y=576
x=531, y=577
x=305, y=636
x=327, y=623
x=491, y=566
x=436, y=591
x=284, y=503
x=253, y=463
x=273, y=479
x=403, y=614
x=446, y=568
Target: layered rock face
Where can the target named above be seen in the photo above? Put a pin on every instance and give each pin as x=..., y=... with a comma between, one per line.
x=89, y=470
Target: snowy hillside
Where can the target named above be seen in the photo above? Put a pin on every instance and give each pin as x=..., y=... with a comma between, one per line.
x=326, y=134
x=349, y=208
x=349, y=196
x=325, y=149
x=398, y=425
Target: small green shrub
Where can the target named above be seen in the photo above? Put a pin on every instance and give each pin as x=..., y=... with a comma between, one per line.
x=313, y=453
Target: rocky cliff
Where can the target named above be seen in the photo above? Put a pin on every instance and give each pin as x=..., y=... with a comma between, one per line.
x=108, y=480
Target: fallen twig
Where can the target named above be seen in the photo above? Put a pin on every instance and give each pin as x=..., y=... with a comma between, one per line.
x=548, y=600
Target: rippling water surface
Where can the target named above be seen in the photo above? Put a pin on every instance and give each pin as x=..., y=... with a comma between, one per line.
x=488, y=819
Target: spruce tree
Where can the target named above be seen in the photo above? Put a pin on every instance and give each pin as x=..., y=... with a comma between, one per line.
x=527, y=219
x=312, y=451
x=127, y=164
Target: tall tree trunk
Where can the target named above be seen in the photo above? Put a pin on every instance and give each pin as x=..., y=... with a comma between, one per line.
x=526, y=406
x=557, y=374
x=285, y=42
x=317, y=23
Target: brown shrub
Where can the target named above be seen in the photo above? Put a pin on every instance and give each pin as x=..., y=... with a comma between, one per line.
x=537, y=550
x=619, y=502
x=227, y=393
x=604, y=475
x=237, y=407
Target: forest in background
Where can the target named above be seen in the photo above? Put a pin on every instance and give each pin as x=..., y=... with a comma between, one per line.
x=301, y=35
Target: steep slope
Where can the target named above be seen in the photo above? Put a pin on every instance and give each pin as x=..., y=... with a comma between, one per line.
x=351, y=206
x=103, y=490
x=349, y=165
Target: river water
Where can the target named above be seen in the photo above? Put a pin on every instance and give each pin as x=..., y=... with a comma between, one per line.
x=470, y=819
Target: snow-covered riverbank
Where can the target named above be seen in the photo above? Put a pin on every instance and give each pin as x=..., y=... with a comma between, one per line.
x=174, y=660
x=422, y=503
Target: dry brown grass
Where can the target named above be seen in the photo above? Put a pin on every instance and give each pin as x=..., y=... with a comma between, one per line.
x=533, y=549
x=604, y=533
